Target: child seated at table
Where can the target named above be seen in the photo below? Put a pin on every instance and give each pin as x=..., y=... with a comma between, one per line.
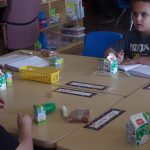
x=134, y=48
x=24, y=142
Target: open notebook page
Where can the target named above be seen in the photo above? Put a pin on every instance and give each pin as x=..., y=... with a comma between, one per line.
x=30, y=61
x=11, y=58
x=128, y=67
x=143, y=71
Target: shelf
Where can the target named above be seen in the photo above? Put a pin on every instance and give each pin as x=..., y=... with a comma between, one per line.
x=52, y=26
x=60, y=6
x=69, y=46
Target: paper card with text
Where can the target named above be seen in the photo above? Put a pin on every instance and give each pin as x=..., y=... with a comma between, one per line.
x=87, y=85
x=104, y=119
x=75, y=92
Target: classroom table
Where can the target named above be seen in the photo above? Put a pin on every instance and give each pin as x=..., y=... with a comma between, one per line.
x=24, y=94
x=113, y=135
x=84, y=69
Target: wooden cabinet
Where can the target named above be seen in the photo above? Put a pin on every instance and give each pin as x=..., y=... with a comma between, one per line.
x=55, y=14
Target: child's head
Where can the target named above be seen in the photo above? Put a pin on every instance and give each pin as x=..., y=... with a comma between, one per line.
x=141, y=15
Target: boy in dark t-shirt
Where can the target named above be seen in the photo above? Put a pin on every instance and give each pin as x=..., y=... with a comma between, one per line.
x=136, y=44
x=8, y=142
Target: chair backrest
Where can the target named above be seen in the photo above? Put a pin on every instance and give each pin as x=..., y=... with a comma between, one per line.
x=95, y=43
x=21, y=17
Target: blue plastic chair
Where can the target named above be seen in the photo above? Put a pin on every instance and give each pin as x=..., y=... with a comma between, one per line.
x=95, y=43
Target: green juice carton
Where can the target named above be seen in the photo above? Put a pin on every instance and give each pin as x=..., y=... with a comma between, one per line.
x=109, y=64
x=56, y=61
x=137, y=129
x=2, y=81
x=39, y=114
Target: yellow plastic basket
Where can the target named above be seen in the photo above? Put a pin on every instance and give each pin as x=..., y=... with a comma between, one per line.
x=39, y=74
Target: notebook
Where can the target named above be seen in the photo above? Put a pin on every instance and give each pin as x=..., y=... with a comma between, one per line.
x=136, y=69
x=15, y=61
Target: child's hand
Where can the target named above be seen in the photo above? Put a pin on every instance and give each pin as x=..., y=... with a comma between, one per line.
x=24, y=121
x=144, y=60
x=2, y=104
x=110, y=50
x=120, y=56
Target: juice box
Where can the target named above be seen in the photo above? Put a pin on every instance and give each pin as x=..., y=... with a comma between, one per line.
x=8, y=76
x=39, y=114
x=56, y=61
x=137, y=129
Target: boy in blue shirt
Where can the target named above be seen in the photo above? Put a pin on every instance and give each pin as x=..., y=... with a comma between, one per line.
x=8, y=142
x=134, y=48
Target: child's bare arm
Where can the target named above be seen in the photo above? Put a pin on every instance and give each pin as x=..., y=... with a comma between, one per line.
x=140, y=60
x=24, y=123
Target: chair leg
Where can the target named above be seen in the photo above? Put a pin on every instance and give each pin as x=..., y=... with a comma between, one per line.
x=35, y=46
x=119, y=18
x=131, y=23
x=4, y=35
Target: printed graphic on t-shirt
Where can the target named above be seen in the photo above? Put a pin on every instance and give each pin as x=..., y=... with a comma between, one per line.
x=142, y=49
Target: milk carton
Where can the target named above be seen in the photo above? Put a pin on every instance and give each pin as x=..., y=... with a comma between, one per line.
x=137, y=129
x=147, y=117
x=2, y=81
x=110, y=64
